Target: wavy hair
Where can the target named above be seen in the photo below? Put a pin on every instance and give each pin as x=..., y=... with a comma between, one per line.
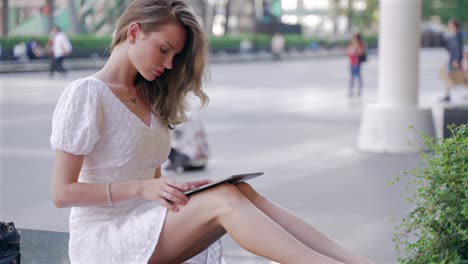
x=166, y=95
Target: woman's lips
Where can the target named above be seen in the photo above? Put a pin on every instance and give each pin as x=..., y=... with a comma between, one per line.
x=157, y=72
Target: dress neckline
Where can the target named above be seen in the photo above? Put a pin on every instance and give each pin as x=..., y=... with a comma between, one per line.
x=150, y=125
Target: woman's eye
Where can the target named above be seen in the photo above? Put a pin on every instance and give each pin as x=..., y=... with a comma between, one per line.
x=164, y=50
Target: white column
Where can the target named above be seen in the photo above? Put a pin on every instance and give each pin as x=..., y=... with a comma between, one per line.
x=384, y=125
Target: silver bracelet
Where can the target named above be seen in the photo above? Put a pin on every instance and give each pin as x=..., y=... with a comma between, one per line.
x=109, y=196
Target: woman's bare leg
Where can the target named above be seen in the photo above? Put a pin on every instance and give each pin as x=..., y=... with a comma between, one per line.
x=200, y=245
x=304, y=232
x=448, y=88
x=225, y=207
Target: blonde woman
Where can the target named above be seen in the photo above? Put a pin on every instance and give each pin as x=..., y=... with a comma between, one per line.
x=110, y=132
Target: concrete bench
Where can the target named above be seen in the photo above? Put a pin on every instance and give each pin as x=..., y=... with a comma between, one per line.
x=41, y=247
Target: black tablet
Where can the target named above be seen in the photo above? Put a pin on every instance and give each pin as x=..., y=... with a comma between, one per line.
x=230, y=179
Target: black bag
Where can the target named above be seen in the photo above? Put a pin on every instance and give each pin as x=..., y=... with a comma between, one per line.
x=9, y=244
x=362, y=58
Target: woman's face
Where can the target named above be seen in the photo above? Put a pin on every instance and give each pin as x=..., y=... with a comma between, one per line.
x=451, y=27
x=152, y=53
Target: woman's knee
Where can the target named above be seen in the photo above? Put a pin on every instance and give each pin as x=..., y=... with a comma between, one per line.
x=250, y=192
x=225, y=197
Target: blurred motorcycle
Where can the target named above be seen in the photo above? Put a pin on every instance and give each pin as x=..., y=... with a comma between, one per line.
x=189, y=145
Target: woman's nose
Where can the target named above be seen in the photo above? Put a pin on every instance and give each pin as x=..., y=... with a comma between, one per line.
x=168, y=63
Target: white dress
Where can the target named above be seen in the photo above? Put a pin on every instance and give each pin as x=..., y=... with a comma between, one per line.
x=90, y=120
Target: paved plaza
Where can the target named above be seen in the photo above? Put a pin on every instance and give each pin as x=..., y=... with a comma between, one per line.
x=291, y=119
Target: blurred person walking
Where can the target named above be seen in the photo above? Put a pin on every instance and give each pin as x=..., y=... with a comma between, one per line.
x=277, y=45
x=454, y=47
x=34, y=50
x=60, y=47
x=357, y=55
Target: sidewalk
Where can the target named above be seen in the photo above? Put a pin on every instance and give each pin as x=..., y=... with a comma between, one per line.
x=98, y=62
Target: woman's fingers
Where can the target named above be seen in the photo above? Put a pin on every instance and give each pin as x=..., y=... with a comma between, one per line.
x=173, y=195
x=171, y=192
x=181, y=186
x=200, y=182
x=169, y=205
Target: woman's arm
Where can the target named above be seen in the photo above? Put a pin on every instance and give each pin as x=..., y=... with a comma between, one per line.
x=68, y=192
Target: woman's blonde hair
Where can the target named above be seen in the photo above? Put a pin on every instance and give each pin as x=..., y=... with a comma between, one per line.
x=166, y=95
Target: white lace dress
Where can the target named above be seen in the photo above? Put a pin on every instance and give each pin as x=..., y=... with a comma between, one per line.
x=90, y=120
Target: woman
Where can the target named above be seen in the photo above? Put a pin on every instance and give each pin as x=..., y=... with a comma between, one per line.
x=454, y=46
x=355, y=52
x=111, y=135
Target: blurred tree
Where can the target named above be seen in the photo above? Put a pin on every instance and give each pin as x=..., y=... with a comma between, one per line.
x=100, y=17
x=4, y=17
x=207, y=11
x=203, y=8
x=50, y=14
x=446, y=9
x=350, y=14
x=334, y=13
x=368, y=17
x=73, y=17
x=362, y=20
x=227, y=13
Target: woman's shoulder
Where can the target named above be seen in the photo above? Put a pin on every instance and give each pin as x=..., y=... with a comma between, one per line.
x=87, y=88
x=84, y=85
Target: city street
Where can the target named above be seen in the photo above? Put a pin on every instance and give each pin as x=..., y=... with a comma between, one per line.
x=291, y=119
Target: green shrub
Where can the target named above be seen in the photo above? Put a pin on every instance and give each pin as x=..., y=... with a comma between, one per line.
x=226, y=42
x=90, y=42
x=262, y=41
x=8, y=43
x=85, y=45
x=436, y=230
x=297, y=41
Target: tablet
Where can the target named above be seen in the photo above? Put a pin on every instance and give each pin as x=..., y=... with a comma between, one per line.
x=231, y=179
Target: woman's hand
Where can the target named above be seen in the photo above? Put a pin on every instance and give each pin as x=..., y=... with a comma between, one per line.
x=195, y=184
x=168, y=192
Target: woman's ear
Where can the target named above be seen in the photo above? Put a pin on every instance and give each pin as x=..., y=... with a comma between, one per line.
x=132, y=32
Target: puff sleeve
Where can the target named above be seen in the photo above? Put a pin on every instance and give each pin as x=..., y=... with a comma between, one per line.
x=76, y=119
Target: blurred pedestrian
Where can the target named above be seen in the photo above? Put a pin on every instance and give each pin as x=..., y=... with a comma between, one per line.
x=19, y=52
x=245, y=46
x=277, y=45
x=454, y=47
x=61, y=48
x=357, y=55
x=34, y=50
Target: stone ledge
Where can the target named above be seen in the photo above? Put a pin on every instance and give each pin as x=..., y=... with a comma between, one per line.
x=44, y=247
